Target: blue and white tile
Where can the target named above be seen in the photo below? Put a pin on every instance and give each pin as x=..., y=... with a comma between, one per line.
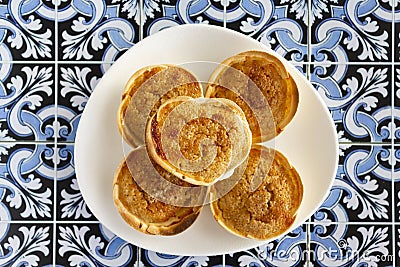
x=280, y=25
x=27, y=105
x=70, y=203
x=396, y=48
x=150, y=258
x=351, y=245
x=26, y=181
x=158, y=15
x=396, y=108
x=351, y=31
x=92, y=245
x=76, y=84
x=396, y=252
x=362, y=189
x=100, y=30
x=290, y=250
x=26, y=244
x=359, y=98
x=27, y=30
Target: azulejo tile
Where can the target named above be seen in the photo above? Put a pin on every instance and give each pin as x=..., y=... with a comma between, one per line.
x=280, y=25
x=396, y=33
x=396, y=251
x=97, y=30
x=26, y=244
x=71, y=205
x=362, y=190
x=150, y=258
x=76, y=84
x=26, y=30
x=92, y=245
x=359, y=99
x=158, y=15
x=396, y=108
x=351, y=31
x=351, y=245
x=27, y=110
x=26, y=181
x=289, y=250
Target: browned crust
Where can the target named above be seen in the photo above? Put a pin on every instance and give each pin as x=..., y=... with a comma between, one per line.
x=292, y=98
x=154, y=146
x=131, y=87
x=173, y=226
x=287, y=219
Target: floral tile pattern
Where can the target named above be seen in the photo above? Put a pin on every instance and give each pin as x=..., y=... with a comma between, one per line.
x=92, y=245
x=71, y=205
x=27, y=30
x=53, y=53
x=154, y=259
x=359, y=99
x=351, y=245
x=158, y=15
x=101, y=30
x=23, y=244
x=27, y=108
x=76, y=84
x=280, y=25
x=26, y=182
x=362, y=190
x=287, y=251
x=351, y=31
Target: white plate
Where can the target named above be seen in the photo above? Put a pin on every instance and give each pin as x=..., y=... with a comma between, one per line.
x=309, y=141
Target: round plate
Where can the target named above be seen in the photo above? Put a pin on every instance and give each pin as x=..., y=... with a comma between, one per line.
x=309, y=141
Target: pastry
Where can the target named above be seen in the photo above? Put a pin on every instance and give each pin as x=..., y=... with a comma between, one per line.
x=145, y=91
x=144, y=199
x=259, y=83
x=264, y=202
x=199, y=140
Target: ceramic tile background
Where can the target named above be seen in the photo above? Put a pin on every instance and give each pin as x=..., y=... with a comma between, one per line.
x=53, y=53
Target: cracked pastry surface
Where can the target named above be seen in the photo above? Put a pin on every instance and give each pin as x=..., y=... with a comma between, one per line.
x=255, y=80
x=145, y=91
x=191, y=138
x=145, y=212
x=271, y=208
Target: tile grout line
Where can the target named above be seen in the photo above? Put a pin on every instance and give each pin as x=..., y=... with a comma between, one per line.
x=308, y=75
x=56, y=89
x=392, y=139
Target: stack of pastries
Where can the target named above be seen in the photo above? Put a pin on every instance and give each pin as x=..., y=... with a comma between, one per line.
x=195, y=146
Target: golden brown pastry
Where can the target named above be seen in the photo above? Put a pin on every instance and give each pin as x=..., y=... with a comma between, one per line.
x=145, y=91
x=260, y=84
x=198, y=140
x=144, y=199
x=260, y=206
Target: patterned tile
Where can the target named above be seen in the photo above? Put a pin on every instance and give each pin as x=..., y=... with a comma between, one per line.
x=71, y=205
x=98, y=30
x=351, y=31
x=27, y=110
x=280, y=25
x=396, y=252
x=351, y=245
x=396, y=32
x=158, y=15
x=359, y=99
x=26, y=181
x=92, y=245
x=26, y=244
x=76, y=84
x=27, y=30
x=154, y=259
x=362, y=190
x=290, y=250
x=396, y=108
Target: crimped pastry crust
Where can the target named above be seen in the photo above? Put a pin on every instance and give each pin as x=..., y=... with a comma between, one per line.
x=243, y=72
x=145, y=91
x=191, y=136
x=268, y=211
x=142, y=211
